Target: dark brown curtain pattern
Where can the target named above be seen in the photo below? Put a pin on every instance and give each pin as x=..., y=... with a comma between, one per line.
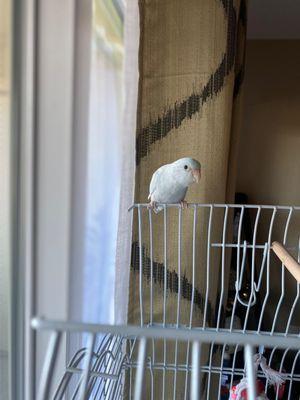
x=191, y=72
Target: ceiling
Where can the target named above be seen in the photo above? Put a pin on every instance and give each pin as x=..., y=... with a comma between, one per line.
x=274, y=19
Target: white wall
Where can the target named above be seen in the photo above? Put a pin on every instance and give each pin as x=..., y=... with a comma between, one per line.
x=5, y=199
x=54, y=175
x=269, y=162
x=273, y=19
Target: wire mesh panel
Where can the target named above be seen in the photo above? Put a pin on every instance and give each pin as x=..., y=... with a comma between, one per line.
x=212, y=266
x=140, y=365
x=195, y=279
x=105, y=363
x=208, y=271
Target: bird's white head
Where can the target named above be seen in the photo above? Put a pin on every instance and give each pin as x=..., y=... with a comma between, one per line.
x=187, y=171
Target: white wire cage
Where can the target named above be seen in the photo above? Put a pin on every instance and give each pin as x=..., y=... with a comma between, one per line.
x=208, y=271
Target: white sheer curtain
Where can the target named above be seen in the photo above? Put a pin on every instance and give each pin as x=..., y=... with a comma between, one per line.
x=111, y=168
x=131, y=38
x=103, y=169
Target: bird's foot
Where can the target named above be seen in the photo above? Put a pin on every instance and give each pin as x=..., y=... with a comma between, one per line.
x=183, y=204
x=152, y=205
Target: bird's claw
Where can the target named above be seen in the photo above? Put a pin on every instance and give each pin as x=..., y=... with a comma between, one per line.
x=184, y=204
x=151, y=205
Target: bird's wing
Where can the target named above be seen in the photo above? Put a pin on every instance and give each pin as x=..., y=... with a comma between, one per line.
x=155, y=180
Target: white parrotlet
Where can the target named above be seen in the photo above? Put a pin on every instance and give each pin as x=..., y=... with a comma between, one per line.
x=170, y=182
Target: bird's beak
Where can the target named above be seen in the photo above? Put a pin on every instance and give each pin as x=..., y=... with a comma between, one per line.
x=196, y=174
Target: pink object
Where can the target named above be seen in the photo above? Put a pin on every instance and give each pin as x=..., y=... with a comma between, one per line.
x=274, y=378
x=234, y=395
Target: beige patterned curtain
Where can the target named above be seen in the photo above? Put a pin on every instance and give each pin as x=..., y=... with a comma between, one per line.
x=191, y=70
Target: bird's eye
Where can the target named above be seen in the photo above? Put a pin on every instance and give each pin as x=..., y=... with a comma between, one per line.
x=185, y=167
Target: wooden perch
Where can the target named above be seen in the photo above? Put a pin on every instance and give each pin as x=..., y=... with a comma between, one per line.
x=287, y=259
